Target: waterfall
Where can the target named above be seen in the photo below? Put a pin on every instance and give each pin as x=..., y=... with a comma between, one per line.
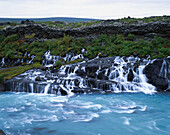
x=144, y=86
x=32, y=87
x=32, y=58
x=2, y=62
x=47, y=88
x=163, y=71
x=49, y=60
x=99, y=75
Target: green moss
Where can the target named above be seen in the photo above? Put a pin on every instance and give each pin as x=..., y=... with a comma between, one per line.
x=74, y=61
x=58, y=64
x=30, y=36
x=6, y=74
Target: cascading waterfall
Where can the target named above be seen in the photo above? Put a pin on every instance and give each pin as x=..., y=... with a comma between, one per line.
x=101, y=75
x=2, y=62
x=6, y=62
x=164, y=71
x=46, y=88
x=49, y=60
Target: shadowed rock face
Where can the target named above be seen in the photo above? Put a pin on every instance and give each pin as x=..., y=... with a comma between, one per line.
x=143, y=30
x=158, y=73
x=100, y=75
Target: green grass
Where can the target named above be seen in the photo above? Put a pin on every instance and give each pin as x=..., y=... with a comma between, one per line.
x=8, y=73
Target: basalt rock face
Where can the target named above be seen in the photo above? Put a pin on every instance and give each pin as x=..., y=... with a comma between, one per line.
x=143, y=30
x=158, y=73
x=99, y=75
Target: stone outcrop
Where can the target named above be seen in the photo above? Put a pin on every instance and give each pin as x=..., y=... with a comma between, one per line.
x=158, y=73
x=143, y=30
x=100, y=75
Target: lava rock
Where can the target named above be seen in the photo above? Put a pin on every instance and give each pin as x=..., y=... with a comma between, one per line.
x=63, y=92
x=147, y=30
x=130, y=75
x=158, y=73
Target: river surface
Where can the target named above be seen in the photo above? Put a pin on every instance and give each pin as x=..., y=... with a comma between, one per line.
x=95, y=114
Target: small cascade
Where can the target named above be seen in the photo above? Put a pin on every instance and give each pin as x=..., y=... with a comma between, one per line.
x=163, y=71
x=49, y=60
x=47, y=88
x=32, y=58
x=32, y=87
x=2, y=64
x=100, y=75
x=27, y=58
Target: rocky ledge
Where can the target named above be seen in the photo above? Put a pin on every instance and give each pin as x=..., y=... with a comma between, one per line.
x=99, y=75
x=158, y=73
x=139, y=29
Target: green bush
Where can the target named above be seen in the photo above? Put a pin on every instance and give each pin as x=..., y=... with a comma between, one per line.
x=131, y=37
x=58, y=63
x=9, y=54
x=11, y=38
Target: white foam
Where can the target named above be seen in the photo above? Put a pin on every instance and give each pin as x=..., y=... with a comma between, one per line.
x=11, y=109
x=124, y=111
x=106, y=111
x=126, y=122
x=143, y=108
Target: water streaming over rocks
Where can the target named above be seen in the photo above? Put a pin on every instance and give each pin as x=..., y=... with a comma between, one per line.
x=7, y=62
x=99, y=75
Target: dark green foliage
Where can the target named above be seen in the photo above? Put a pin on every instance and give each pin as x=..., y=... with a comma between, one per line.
x=2, y=37
x=11, y=38
x=9, y=54
x=105, y=45
x=131, y=36
x=58, y=63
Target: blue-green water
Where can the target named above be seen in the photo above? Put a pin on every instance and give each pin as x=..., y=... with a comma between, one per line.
x=112, y=114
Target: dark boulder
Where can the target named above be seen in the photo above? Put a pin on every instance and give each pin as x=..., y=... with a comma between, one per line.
x=2, y=132
x=158, y=73
x=63, y=92
x=2, y=87
x=130, y=75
